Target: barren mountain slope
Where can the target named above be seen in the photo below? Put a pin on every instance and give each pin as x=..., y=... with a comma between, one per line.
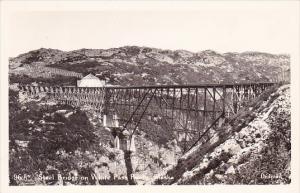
x=132, y=65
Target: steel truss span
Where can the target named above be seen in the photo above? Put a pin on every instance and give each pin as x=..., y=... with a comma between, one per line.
x=192, y=113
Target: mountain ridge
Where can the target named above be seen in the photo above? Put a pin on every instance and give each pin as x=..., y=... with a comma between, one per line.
x=133, y=65
x=173, y=50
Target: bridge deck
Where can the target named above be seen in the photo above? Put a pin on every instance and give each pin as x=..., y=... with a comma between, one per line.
x=208, y=85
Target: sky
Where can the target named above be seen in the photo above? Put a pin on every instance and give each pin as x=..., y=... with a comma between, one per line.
x=232, y=27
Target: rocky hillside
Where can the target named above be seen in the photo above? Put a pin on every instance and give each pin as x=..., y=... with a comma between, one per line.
x=132, y=65
x=48, y=140
x=253, y=148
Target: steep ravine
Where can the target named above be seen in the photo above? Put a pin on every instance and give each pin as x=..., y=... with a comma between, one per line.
x=47, y=138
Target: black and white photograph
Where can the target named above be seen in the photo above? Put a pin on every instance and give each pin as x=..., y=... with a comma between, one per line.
x=107, y=93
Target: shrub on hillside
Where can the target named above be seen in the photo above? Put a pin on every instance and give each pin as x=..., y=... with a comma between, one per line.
x=40, y=138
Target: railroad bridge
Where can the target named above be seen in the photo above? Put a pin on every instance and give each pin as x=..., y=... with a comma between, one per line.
x=192, y=113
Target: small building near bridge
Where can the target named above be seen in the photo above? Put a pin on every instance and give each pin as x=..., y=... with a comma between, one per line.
x=90, y=81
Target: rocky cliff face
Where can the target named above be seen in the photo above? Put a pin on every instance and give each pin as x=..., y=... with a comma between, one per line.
x=132, y=65
x=253, y=148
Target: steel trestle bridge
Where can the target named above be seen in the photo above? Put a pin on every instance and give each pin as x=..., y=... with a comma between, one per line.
x=190, y=112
